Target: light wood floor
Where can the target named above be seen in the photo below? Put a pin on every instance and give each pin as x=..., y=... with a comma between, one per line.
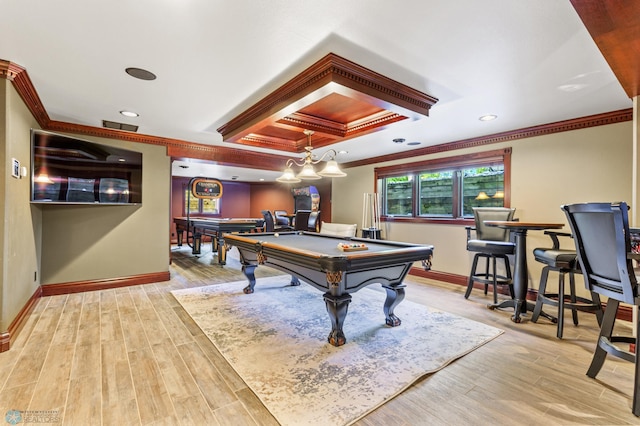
x=132, y=356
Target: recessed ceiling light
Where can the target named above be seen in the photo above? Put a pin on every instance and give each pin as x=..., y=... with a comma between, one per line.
x=129, y=113
x=399, y=140
x=140, y=73
x=343, y=152
x=488, y=117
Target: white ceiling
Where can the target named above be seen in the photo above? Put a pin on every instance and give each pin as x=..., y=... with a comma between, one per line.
x=528, y=62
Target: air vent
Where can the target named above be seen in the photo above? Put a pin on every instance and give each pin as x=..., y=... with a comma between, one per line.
x=119, y=126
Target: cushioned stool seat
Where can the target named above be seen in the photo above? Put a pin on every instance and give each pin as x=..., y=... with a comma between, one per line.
x=491, y=243
x=564, y=262
x=490, y=247
x=556, y=258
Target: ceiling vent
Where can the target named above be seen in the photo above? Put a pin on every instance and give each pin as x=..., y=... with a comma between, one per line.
x=119, y=126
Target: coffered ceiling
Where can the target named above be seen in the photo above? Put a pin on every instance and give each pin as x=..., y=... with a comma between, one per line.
x=335, y=98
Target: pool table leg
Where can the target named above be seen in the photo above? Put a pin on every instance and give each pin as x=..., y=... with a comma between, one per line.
x=248, y=271
x=221, y=248
x=337, y=308
x=395, y=295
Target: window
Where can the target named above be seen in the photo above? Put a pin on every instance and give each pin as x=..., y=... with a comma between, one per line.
x=444, y=189
x=193, y=205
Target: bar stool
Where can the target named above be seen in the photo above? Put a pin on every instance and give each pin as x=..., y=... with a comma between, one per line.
x=491, y=243
x=563, y=262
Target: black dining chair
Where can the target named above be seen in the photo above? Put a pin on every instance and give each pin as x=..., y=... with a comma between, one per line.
x=313, y=224
x=602, y=240
x=301, y=221
x=564, y=262
x=281, y=218
x=490, y=243
x=270, y=225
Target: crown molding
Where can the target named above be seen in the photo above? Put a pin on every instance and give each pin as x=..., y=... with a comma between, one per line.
x=235, y=157
x=21, y=81
x=527, y=132
x=336, y=98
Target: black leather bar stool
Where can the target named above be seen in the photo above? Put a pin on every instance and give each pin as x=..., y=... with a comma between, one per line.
x=563, y=262
x=491, y=243
x=602, y=239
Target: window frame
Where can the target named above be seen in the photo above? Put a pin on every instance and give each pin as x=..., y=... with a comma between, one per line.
x=200, y=211
x=447, y=163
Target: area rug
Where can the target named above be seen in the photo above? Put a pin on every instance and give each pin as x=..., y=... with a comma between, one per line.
x=276, y=340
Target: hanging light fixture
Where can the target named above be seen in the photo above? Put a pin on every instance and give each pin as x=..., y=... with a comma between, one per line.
x=482, y=196
x=308, y=171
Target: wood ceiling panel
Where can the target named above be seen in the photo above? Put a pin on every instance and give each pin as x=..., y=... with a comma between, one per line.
x=615, y=27
x=341, y=109
x=335, y=98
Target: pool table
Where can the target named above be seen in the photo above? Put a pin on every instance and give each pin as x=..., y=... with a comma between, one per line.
x=316, y=259
x=215, y=228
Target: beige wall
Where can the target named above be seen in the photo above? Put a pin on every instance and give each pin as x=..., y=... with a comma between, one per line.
x=20, y=227
x=97, y=242
x=59, y=244
x=593, y=164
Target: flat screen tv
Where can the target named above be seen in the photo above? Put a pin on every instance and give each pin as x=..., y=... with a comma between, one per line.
x=67, y=170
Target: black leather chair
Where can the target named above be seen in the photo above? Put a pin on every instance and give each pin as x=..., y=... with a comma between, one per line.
x=601, y=236
x=269, y=223
x=491, y=243
x=280, y=218
x=562, y=261
x=313, y=224
x=301, y=221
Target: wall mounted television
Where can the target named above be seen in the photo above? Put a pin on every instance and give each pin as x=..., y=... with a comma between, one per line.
x=67, y=170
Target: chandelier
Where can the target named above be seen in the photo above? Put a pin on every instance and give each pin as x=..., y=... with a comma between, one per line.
x=308, y=171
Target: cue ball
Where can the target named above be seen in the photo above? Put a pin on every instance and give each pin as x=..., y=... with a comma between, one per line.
x=276, y=235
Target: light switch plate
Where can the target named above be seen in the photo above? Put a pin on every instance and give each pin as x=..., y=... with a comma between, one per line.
x=15, y=168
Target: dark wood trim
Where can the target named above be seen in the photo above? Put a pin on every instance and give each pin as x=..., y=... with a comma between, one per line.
x=439, y=221
x=73, y=287
x=527, y=132
x=92, y=285
x=227, y=156
x=16, y=325
x=482, y=157
x=613, y=25
x=393, y=101
x=5, y=341
x=23, y=85
x=439, y=276
x=625, y=312
x=502, y=156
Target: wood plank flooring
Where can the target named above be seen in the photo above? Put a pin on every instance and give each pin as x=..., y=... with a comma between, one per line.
x=133, y=356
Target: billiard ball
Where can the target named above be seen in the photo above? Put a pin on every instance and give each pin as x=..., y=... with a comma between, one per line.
x=276, y=235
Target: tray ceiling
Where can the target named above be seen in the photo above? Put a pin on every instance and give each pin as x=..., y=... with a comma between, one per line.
x=335, y=98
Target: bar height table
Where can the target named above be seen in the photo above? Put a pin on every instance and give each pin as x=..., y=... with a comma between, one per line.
x=520, y=269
